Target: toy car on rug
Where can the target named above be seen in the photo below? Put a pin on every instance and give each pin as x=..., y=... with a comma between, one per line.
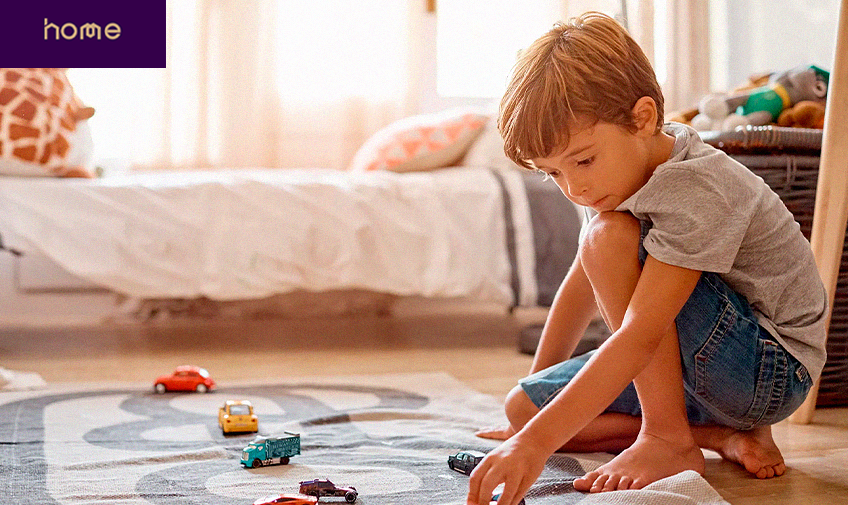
x=323, y=487
x=236, y=416
x=465, y=461
x=185, y=378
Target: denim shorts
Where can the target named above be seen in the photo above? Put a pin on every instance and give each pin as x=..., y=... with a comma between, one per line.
x=734, y=372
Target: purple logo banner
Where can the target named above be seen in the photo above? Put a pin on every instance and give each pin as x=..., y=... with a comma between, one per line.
x=84, y=33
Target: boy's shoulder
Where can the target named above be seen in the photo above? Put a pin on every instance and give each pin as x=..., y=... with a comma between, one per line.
x=692, y=160
x=690, y=152
x=695, y=173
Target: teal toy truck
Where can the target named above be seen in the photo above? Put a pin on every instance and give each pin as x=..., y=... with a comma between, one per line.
x=267, y=451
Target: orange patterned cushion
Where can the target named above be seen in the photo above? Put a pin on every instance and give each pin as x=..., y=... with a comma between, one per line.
x=423, y=142
x=38, y=120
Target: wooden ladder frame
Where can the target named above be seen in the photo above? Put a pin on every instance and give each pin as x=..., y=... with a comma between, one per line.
x=831, y=212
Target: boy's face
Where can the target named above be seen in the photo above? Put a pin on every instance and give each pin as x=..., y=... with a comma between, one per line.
x=603, y=165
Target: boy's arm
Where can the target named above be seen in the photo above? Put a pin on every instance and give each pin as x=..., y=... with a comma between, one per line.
x=661, y=292
x=571, y=312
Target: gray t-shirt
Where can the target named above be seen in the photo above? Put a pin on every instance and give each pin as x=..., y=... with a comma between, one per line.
x=710, y=213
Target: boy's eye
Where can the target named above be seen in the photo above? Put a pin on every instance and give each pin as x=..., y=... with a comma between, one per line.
x=586, y=162
x=555, y=173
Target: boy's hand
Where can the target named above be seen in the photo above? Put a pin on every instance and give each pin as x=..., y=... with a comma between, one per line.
x=495, y=432
x=516, y=463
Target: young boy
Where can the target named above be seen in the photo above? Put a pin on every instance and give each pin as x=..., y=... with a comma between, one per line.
x=699, y=270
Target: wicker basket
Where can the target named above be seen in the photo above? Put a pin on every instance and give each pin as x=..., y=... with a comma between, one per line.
x=788, y=161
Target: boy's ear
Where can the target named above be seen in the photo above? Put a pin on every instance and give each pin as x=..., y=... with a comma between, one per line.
x=645, y=115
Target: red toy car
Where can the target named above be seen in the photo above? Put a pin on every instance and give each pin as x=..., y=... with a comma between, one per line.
x=323, y=487
x=185, y=378
x=287, y=499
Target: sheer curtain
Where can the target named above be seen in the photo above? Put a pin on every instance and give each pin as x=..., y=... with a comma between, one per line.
x=250, y=83
x=684, y=43
x=674, y=34
x=293, y=83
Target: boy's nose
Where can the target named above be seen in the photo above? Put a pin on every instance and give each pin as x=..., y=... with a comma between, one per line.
x=575, y=190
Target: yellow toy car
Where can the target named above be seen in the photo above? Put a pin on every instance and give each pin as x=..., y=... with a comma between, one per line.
x=237, y=416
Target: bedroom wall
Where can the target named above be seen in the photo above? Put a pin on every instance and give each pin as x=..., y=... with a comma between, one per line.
x=751, y=36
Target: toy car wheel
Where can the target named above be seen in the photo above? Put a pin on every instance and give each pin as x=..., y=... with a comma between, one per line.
x=284, y=461
x=350, y=496
x=256, y=463
x=160, y=388
x=201, y=388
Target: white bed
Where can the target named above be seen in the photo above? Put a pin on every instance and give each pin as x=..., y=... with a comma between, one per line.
x=458, y=233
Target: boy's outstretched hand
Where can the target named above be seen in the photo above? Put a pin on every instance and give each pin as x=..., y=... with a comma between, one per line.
x=516, y=463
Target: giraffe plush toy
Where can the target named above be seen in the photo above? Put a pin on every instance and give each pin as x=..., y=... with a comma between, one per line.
x=43, y=130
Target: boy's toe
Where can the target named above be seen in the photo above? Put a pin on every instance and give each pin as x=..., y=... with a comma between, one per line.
x=768, y=472
x=752, y=465
x=611, y=483
x=638, y=484
x=598, y=485
x=624, y=483
x=585, y=483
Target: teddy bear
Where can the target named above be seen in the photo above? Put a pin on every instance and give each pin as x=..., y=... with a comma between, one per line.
x=804, y=114
x=43, y=125
x=763, y=105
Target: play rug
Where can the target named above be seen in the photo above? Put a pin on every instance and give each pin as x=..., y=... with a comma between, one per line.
x=387, y=435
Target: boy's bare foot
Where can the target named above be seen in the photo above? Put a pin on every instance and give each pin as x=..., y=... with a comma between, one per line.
x=496, y=432
x=648, y=460
x=753, y=449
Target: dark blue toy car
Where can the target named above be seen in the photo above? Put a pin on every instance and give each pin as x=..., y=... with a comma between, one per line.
x=465, y=461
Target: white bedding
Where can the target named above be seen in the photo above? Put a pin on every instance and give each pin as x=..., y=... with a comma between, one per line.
x=247, y=234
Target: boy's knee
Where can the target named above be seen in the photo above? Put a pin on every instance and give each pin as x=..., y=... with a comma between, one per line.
x=519, y=408
x=609, y=235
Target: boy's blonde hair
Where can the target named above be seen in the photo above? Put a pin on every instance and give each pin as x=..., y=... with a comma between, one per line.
x=586, y=69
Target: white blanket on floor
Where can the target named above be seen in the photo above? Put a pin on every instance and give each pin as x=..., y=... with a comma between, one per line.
x=685, y=488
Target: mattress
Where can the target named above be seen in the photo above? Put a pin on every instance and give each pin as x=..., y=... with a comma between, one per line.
x=493, y=236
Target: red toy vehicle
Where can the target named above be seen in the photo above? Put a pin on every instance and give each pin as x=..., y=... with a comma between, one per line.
x=185, y=378
x=287, y=499
x=323, y=487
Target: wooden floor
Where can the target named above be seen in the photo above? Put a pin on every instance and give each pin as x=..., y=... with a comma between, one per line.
x=478, y=349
